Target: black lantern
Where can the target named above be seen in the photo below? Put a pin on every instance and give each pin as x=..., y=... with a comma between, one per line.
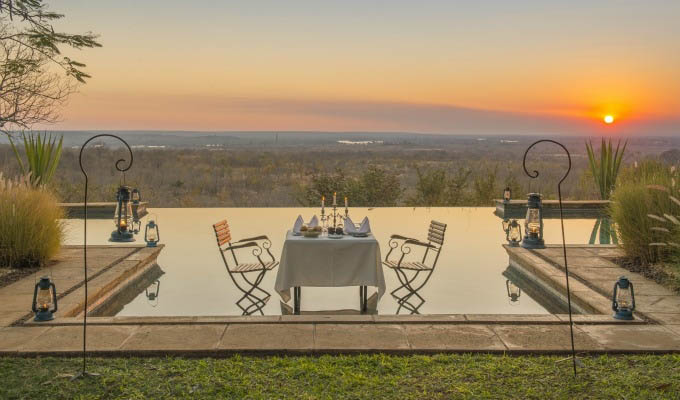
x=514, y=292
x=152, y=295
x=44, y=300
x=151, y=233
x=506, y=195
x=623, y=299
x=514, y=233
x=123, y=218
x=533, y=225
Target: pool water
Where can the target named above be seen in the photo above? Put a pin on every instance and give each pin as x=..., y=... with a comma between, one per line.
x=468, y=277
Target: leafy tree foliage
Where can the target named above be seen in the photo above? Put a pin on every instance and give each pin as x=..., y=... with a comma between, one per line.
x=29, y=24
x=30, y=52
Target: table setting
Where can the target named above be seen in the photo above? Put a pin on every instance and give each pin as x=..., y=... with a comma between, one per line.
x=330, y=251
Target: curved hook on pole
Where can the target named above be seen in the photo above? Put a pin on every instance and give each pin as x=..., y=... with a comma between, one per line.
x=535, y=173
x=118, y=162
x=120, y=166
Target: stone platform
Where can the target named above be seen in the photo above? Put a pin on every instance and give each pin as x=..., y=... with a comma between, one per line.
x=108, y=267
x=551, y=208
x=656, y=328
x=99, y=210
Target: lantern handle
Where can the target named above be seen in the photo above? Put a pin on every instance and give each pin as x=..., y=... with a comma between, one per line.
x=535, y=173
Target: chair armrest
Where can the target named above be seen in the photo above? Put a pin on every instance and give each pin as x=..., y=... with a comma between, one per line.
x=263, y=243
x=240, y=246
x=400, y=237
x=419, y=243
x=263, y=237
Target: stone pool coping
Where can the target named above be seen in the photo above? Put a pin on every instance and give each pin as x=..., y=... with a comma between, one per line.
x=656, y=330
x=218, y=339
x=108, y=268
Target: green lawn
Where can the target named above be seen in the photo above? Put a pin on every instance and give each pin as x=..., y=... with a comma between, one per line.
x=358, y=377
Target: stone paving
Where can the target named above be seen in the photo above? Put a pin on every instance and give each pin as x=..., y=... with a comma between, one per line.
x=655, y=330
x=107, y=266
x=592, y=267
x=221, y=339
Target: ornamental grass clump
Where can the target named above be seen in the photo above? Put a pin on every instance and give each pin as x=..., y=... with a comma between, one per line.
x=646, y=211
x=31, y=231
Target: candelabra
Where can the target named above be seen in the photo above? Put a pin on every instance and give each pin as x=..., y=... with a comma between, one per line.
x=335, y=214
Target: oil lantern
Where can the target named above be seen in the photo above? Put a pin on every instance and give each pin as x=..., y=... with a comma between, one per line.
x=533, y=225
x=623, y=299
x=123, y=217
x=44, y=300
x=152, y=295
x=151, y=233
x=514, y=292
x=507, y=193
x=514, y=233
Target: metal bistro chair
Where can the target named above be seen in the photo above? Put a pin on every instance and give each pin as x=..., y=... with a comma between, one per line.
x=409, y=271
x=252, y=292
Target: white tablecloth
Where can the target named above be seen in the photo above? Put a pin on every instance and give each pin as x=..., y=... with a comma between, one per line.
x=325, y=262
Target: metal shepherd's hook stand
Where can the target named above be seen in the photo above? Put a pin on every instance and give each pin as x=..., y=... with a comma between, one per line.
x=534, y=175
x=120, y=166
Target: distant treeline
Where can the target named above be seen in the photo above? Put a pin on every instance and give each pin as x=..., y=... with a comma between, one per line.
x=390, y=176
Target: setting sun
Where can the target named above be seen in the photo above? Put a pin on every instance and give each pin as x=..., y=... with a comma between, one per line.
x=608, y=119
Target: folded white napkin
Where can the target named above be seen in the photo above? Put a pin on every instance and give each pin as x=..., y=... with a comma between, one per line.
x=365, y=226
x=298, y=224
x=314, y=222
x=350, y=228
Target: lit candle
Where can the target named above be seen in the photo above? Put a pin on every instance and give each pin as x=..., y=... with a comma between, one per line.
x=335, y=200
x=345, y=201
x=323, y=201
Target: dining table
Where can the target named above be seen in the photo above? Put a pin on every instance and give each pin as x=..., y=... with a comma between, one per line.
x=329, y=261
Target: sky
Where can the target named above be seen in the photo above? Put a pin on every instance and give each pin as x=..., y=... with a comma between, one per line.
x=450, y=67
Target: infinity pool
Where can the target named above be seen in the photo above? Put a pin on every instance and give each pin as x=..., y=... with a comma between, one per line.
x=468, y=278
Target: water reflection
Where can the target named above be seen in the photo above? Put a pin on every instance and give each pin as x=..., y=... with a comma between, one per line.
x=604, y=231
x=468, y=279
x=152, y=295
x=514, y=292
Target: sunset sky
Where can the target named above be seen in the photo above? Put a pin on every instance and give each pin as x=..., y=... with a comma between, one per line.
x=482, y=67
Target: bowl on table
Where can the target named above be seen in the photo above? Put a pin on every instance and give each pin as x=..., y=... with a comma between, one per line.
x=312, y=232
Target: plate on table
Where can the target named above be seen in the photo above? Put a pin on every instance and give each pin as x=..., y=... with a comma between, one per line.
x=311, y=234
x=335, y=236
x=360, y=234
x=297, y=234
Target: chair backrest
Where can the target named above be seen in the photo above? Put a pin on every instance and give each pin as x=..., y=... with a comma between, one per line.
x=435, y=234
x=222, y=233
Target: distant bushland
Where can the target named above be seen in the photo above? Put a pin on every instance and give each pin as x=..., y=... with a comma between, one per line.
x=288, y=177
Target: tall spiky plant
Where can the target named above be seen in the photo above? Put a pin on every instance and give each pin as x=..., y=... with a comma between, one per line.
x=605, y=170
x=42, y=155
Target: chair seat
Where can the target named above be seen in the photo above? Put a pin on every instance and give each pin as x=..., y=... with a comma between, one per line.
x=412, y=265
x=249, y=267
